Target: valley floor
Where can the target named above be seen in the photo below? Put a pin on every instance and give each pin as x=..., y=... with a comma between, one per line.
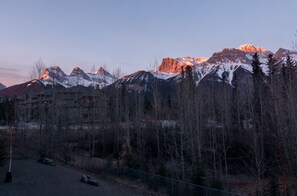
x=33, y=178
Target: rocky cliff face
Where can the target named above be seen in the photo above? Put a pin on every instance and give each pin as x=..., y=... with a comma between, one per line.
x=173, y=66
x=228, y=55
x=170, y=65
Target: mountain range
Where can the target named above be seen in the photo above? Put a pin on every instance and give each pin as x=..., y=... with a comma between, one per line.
x=226, y=62
x=99, y=78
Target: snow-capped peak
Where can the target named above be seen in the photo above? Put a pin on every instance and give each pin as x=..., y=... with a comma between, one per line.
x=76, y=69
x=250, y=48
x=100, y=70
x=56, y=70
x=55, y=67
x=77, y=72
x=103, y=73
x=51, y=73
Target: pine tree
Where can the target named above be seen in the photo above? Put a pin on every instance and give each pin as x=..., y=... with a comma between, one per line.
x=291, y=67
x=257, y=71
x=272, y=93
x=235, y=104
x=290, y=62
x=272, y=67
x=258, y=81
x=284, y=80
x=258, y=117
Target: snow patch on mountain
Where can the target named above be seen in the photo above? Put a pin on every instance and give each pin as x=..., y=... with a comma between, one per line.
x=230, y=69
x=191, y=61
x=163, y=75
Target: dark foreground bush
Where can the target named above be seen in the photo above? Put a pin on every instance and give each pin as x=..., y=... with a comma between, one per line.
x=3, y=152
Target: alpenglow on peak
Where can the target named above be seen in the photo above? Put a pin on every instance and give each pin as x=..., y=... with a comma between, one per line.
x=251, y=48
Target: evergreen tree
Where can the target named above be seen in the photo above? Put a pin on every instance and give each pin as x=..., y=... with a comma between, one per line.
x=189, y=80
x=290, y=62
x=272, y=63
x=258, y=82
x=291, y=69
x=235, y=103
x=284, y=80
x=272, y=93
x=257, y=71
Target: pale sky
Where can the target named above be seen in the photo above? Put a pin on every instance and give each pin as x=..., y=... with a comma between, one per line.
x=133, y=34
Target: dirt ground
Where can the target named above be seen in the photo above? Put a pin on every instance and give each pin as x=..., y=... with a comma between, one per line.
x=31, y=178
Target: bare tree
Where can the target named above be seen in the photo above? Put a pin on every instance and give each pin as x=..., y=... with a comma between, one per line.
x=117, y=72
x=37, y=69
x=93, y=69
x=294, y=43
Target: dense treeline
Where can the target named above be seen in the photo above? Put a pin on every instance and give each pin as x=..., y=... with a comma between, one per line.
x=201, y=133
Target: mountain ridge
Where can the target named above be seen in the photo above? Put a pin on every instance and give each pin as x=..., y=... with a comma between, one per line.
x=225, y=62
x=2, y=86
x=55, y=75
